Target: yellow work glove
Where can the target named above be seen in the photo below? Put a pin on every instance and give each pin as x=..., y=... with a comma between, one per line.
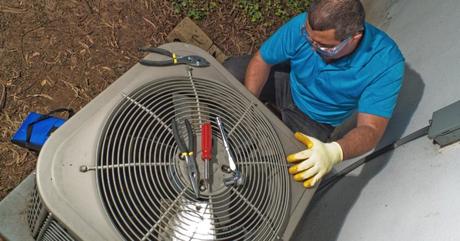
x=314, y=162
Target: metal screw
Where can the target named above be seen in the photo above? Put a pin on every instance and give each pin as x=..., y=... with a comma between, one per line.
x=202, y=185
x=83, y=168
x=226, y=169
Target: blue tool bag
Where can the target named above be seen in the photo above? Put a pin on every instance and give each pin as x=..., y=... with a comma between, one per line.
x=36, y=129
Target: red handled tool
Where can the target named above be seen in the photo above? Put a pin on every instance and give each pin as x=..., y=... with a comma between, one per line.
x=206, y=148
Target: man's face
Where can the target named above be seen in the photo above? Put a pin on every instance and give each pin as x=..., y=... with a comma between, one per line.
x=330, y=48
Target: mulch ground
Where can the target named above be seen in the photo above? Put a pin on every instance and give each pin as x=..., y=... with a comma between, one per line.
x=63, y=53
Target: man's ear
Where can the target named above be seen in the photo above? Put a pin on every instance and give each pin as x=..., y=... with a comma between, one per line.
x=357, y=36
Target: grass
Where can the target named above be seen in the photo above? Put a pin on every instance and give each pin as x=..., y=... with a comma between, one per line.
x=195, y=9
x=260, y=12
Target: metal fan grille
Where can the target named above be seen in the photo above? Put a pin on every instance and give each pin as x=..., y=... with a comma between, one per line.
x=143, y=182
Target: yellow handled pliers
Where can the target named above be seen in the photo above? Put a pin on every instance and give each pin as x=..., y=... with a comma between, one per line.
x=192, y=60
x=187, y=152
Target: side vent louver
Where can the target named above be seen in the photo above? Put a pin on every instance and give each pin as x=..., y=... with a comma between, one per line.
x=41, y=223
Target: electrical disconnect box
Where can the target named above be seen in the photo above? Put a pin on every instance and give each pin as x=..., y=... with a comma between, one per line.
x=445, y=125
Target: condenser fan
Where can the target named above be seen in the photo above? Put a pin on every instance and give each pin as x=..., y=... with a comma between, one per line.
x=143, y=181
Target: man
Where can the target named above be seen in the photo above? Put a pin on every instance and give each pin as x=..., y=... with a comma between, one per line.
x=339, y=66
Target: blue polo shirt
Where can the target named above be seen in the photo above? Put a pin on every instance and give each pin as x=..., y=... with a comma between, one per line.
x=368, y=80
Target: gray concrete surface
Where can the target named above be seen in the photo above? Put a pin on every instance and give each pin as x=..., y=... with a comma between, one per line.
x=13, y=222
x=411, y=194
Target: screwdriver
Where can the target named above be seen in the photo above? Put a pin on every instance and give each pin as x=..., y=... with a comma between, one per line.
x=206, y=147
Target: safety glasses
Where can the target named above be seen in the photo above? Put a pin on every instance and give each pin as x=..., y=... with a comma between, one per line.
x=322, y=50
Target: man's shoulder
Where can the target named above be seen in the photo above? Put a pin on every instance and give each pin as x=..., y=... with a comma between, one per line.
x=301, y=17
x=297, y=21
x=383, y=46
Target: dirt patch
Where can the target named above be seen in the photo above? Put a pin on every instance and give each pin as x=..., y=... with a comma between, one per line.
x=63, y=53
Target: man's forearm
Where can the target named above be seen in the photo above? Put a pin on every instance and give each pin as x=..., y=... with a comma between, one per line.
x=256, y=74
x=358, y=141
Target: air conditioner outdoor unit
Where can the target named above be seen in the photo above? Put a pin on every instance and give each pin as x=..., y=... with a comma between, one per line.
x=113, y=171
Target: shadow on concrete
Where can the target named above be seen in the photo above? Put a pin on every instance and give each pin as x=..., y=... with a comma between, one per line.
x=326, y=214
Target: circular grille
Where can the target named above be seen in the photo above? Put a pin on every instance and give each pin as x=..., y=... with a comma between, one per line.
x=143, y=182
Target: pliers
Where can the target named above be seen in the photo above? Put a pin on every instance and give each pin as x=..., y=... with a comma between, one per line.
x=192, y=60
x=188, y=154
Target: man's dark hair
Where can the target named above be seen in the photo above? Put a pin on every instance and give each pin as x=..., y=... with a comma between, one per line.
x=345, y=16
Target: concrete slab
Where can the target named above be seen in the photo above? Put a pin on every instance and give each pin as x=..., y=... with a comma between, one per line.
x=13, y=212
